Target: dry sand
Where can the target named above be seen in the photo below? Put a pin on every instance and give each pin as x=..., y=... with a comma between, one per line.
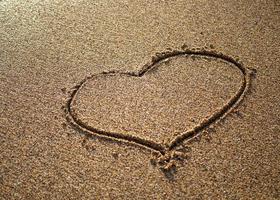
x=48, y=47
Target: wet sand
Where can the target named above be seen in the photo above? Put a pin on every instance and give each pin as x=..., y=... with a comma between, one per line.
x=48, y=48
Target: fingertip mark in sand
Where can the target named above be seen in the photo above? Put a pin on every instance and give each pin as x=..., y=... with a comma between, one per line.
x=168, y=151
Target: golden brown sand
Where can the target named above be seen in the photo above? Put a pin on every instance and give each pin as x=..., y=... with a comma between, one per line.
x=47, y=48
x=162, y=103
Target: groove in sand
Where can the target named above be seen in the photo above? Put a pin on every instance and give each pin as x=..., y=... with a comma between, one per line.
x=222, y=112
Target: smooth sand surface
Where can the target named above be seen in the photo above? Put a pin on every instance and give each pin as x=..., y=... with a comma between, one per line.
x=48, y=47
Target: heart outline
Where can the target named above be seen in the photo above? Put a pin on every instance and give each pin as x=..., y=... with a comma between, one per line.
x=187, y=135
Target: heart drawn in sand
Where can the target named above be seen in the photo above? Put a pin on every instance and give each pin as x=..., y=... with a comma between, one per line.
x=169, y=100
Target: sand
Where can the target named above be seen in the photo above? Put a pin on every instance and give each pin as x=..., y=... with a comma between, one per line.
x=47, y=49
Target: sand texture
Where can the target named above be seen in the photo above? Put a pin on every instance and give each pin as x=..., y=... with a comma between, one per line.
x=165, y=102
x=139, y=99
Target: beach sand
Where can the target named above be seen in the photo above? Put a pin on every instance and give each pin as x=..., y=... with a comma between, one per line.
x=47, y=48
